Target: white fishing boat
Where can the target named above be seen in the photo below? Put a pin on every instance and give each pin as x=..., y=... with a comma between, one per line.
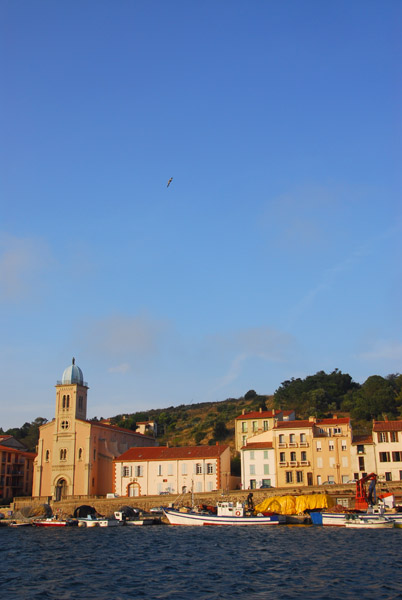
x=360, y=522
x=227, y=513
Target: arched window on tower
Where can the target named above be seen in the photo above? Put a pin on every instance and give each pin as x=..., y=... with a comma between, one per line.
x=68, y=402
x=47, y=455
x=63, y=405
x=63, y=454
x=80, y=454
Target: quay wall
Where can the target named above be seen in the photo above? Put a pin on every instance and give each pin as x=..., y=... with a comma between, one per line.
x=106, y=506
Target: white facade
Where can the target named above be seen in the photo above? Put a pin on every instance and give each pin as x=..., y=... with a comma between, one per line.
x=258, y=466
x=172, y=470
x=387, y=438
x=362, y=456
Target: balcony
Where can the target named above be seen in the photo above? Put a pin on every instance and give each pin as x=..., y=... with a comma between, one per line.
x=293, y=463
x=293, y=444
x=283, y=463
x=282, y=445
x=304, y=444
x=304, y=463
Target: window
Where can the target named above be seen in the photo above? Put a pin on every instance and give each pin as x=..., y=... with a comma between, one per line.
x=344, y=446
x=356, y=476
x=198, y=486
x=253, y=484
x=210, y=486
x=63, y=404
x=159, y=470
x=251, y=454
x=252, y=469
x=332, y=461
x=329, y=431
x=170, y=469
x=244, y=427
x=400, y=475
x=396, y=456
x=183, y=468
x=80, y=403
x=318, y=446
x=94, y=454
x=266, y=469
x=265, y=454
x=360, y=449
x=331, y=446
x=47, y=455
x=345, y=461
x=282, y=457
x=393, y=436
x=266, y=483
x=293, y=456
x=303, y=438
x=303, y=456
x=210, y=468
x=289, y=477
x=345, y=479
x=385, y=457
x=292, y=438
x=198, y=469
x=80, y=451
x=319, y=462
x=319, y=480
x=255, y=426
x=63, y=454
x=337, y=430
x=138, y=471
x=265, y=426
x=388, y=476
x=361, y=463
x=244, y=440
x=331, y=478
x=382, y=437
x=64, y=425
x=126, y=471
x=299, y=476
x=281, y=438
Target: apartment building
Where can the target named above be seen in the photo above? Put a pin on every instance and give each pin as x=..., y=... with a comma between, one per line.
x=362, y=456
x=387, y=438
x=248, y=425
x=16, y=468
x=313, y=451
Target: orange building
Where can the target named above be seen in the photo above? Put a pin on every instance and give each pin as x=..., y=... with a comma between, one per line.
x=75, y=456
x=16, y=468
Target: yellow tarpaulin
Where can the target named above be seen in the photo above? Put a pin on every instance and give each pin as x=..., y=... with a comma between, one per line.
x=294, y=505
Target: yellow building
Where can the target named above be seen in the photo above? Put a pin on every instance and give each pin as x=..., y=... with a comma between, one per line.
x=75, y=456
x=248, y=425
x=313, y=451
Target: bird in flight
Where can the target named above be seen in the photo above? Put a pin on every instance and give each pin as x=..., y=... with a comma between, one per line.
x=169, y=182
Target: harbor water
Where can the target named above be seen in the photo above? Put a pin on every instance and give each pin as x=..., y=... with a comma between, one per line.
x=211, y=563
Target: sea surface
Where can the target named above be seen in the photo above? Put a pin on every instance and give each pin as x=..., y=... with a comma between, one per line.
x=166, y=562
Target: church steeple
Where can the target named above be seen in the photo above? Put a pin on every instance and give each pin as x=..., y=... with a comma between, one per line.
x=71, y=398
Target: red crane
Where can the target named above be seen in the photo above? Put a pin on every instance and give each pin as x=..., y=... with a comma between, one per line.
x=362, y=500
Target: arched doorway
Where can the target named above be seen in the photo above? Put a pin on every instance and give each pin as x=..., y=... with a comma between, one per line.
x=133, y=490
x=60, y=490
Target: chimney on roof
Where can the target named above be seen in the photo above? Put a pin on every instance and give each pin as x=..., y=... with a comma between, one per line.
x=243, y=412
x=260, y=408
x=334, y=416
x=385, y=418
x=216, y=443
x=311, y=419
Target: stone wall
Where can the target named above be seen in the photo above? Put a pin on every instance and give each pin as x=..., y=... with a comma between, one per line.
x=106, y=506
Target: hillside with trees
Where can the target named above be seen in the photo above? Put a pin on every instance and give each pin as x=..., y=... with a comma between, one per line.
x=320, y=395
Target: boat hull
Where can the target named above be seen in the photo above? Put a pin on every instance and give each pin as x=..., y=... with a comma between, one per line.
x=176, y=517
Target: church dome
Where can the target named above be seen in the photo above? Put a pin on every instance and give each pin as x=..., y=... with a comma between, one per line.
x=73, y=374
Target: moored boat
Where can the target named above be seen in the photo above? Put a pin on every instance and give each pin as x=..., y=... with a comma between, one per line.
x=359, y=522
x=52, y=522
x=228, y=513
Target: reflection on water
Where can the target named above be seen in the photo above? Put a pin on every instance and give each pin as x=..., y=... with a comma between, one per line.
x=165, y=562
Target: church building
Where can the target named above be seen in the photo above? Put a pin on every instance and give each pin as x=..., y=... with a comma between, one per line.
x=75, y=456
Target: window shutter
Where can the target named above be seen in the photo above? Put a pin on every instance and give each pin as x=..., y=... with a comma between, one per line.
x=121, y=471
x=131, y=471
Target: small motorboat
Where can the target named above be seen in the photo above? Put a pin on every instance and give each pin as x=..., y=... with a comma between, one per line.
x=54, y=522
x=376, y=522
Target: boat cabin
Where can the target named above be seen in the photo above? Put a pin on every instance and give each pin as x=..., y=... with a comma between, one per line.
x=230, y=509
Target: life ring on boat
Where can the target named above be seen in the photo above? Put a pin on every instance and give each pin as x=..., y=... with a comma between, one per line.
x=237, y=513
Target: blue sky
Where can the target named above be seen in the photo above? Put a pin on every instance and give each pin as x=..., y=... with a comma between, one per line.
x=276, y=250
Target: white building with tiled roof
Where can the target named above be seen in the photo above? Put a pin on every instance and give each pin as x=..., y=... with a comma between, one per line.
x=258, y=466
x=248, y=425
x=163, y=470
x=387, y=438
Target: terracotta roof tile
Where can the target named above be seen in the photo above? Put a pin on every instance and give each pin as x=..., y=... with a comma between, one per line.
x=257, y=445
x=293, y=424
x=362, y=439
x=265, y=414
x=387, y=426
x=165, y=453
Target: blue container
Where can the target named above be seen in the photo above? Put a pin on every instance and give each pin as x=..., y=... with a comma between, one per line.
x=316, y=518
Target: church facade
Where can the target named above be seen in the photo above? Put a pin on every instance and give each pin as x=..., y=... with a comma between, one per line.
x=75, y=456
